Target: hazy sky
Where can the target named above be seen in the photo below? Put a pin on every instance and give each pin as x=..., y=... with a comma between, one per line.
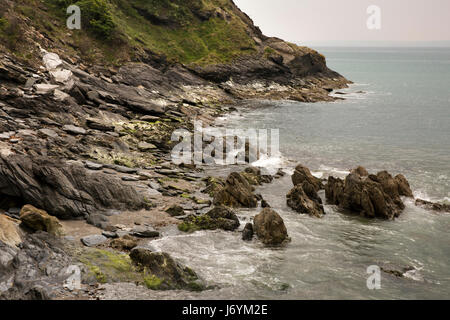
x=337, y=20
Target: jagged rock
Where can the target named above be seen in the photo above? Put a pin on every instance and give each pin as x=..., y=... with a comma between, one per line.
x=97, y=125
x=73, y=129
x=166, y=273
x=213, y=185
x=370, y=196
x=236, y=193
x=302, y=173
x=175, y=210
x=270, y=228
x=39, y=220
x=303, y=198
x=254, y=176
x=9, y=231
x=65, y=189
x=440, y=207
x=247, y=233
x=94, y=240
x=217, y=218
x=403, y=186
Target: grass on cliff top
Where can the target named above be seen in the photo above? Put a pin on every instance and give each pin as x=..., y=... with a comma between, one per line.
x=186, y=31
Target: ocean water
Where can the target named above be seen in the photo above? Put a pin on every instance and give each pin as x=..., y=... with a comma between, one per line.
x=396, y=117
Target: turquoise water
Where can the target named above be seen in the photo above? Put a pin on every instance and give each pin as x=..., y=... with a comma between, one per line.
x=395, y=117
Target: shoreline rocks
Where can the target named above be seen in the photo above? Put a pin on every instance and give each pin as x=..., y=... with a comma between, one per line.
x=303, y=198
x=434, y=206
x=372, y=196
x=270, y=228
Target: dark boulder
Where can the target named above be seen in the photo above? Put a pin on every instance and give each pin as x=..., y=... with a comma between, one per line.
x=164, y=272
x=303, y=198
x=302, y=173
x=236, y=193
x=370, y=196
x=247, y=233
x=270, y=228
x=217, y=218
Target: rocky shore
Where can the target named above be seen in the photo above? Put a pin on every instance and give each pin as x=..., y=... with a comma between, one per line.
x=86, y=177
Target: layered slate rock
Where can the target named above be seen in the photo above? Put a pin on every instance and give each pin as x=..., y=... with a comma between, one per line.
x=66, y=190
x=270, y=228
x=302, y=174
x=165, y=273
x=236, y=193
x=304, y=199
x=373, y=196
x=217, y=218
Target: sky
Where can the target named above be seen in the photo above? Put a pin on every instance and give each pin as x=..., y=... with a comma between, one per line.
x=345, y=21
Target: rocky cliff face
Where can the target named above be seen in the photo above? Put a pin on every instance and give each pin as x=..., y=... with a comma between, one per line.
x=86, y=116
x=212, y=39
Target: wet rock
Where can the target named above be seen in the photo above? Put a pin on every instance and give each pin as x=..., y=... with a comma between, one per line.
x=74, y=129
x=213, y=185
x=403, y=186
x=264, y=204
x=255, y=177
x=247, y=233
x=94, y=240
x=303, y=198
x=217, y=218
x=270, y=228
x=439, y=207
x=130, y=178
x=370, y=196
x=39, y=220
x=237, y=193
x=175, y=210
x=302, y=174
x=165, y=272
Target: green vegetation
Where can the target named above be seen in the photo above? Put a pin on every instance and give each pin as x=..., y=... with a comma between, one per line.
x=107, y=266
x=196, y=32
x=195, y=223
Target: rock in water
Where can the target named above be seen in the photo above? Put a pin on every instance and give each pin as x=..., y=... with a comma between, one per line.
x=165, y=272
x=9, y=231
x=403, y=186
x=39, y=220
x=369, y=195
x=236, y=193
x=270, y=228
x=247, y=233
x=303, y=198
x=217, y=218
x=302, y=173
x=440, y=207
